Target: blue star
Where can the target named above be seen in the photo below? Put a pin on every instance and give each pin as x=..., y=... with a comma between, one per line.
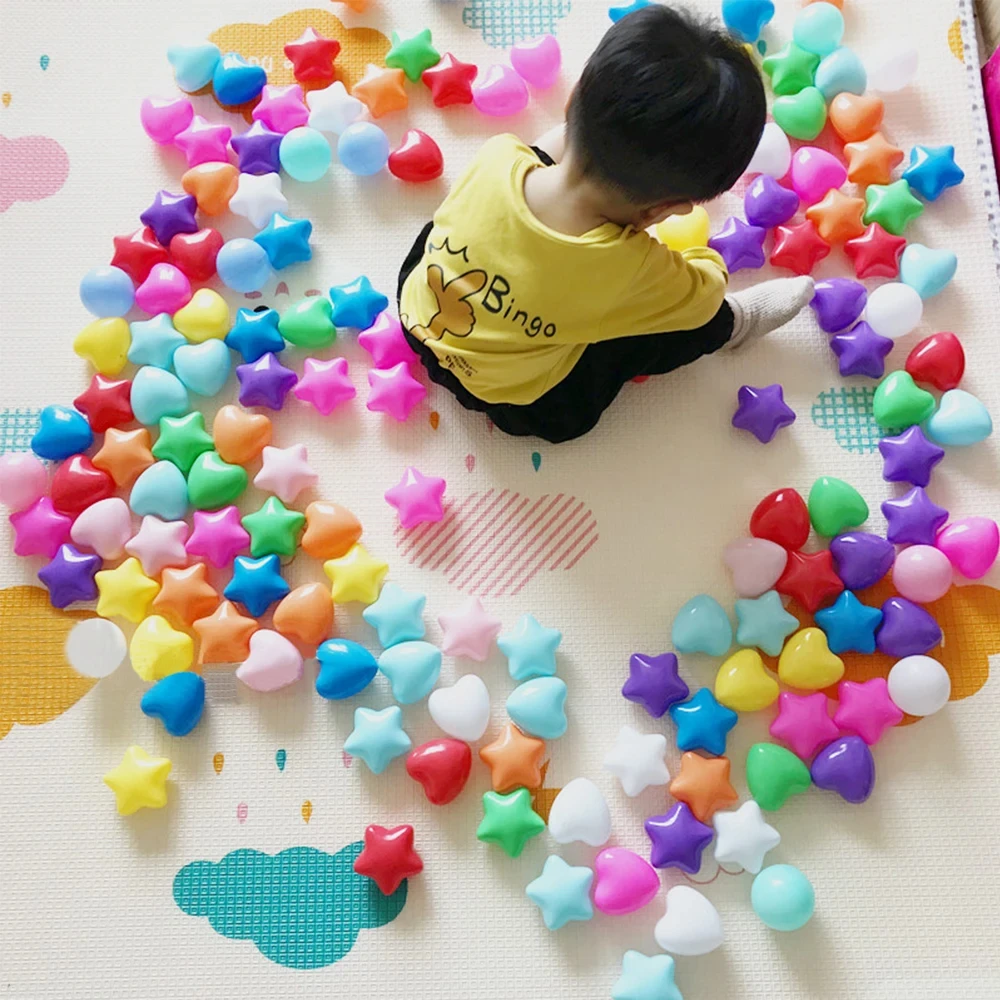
x=530, y=649
x=412, y=668
x=763, y=622
x=562, y=893
x=617, y=13
x=646, y=978
x=356, y=304
x=256, y=583
x=397, y=615
x=932, y=169
x=254, y=334
x=849, y=624
x=285, y=240
x=702, y=723
x=378, y=737
x=154, y=342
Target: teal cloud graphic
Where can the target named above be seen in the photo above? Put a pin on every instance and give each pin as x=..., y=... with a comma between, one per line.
x=302, y=908
x=506, y=22
x=848, y=412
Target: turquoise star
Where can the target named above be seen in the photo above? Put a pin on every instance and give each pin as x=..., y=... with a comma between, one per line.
x=617, y=13
x=397, y=615
x=646, y=978
x=254, y=334
x=256, y=583
x=413, y=669
x=849, y=624
x=530, y=649
x=702, y=723
x=932, y=169
x=154, y=342
x=356, y=304
x=562, y=893
x=764, y=622
x=378, y=737
x=286, y=241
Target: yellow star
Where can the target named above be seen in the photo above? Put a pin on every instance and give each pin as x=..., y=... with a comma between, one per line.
x=125, y=591
x=139, y=781
x=356, y=576
x=158, y=649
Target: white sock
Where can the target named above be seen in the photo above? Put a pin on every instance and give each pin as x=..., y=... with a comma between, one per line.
x=764, y=308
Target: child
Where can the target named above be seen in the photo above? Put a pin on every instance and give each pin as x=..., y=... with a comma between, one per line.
x=536, y=294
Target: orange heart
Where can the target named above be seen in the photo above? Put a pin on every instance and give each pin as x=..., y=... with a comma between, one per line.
x=331, y=530
x=212, y=185
x=240, y=436
x=306, y=615
x=856, y=118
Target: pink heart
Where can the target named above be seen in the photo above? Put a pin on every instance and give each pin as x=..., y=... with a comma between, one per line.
x=538, y=61
x=104, y=527
x=756, y=565
x=273, y=662
x=971, y=545
x=624, y=882
x=500, y=92
x=164, y=118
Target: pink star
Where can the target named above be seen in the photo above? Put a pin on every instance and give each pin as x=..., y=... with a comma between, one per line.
x=417, y=498
x=394, y=391
x=866, y=710
x=285, y=472
x=804, y=723
x=469, y=631
x=158, y=544
x=385, y=342
x=325, y=384
x=40, y=530
x=281, y=108
x=218, y=536
x=204, y=142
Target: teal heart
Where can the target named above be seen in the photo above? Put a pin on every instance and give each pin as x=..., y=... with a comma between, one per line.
x=235, y=81
x=161, y=490
x=193, y=64
x=702, y=626
x=203, y=368
x=841, y=72
x=62, y=431
x=157, y=393
x=928, y=271
x=538, y=707
x=960, y=419
x=412, y=669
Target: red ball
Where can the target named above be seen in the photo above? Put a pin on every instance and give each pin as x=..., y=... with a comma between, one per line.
x=938, y=360
x=78, y=484
x=442, y=767
x=782, y=517
x=195, y=253
x=418, y=158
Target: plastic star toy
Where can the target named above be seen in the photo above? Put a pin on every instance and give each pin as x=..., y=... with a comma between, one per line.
x=217, y=536
x=530, y=649
x=257, y=149
x=159, y=543
x=273, y=528
x=204, y=142
x=185, y=594
x=645, y=977
x=382, y=90
x=325, y=384
x=763, y=622
x=255, y=334
x=385, y=342
x=256, y=583
x=810, y=579
x=837, y=217
x=137, y=253
x=417, y=498
x=514, y=759
x=909, y=457
x=265, y=382
x=654, y=682
x=281, y=108
x=412, y=55
x=743, y=837
x=849, y=624
x=333, y=108
x=798, y=248
x=450, y=81
x=791, y=70
x=257, y=198
x=285, y=472
x=562, y=893
x=394, y=391
x=892, y=206
x=866, y=710
x=356, y=576
x=762, y=411
x=861, y=351
x=286, y=241
x=388, y=857
x=356, y=304
x=872, y=160
x=397, y=615
x=469, y=631
x=312, y=56
x=740, y=244
x=703, y=784
x=154, y=342
x=702, y=723
x=932, y=170
x=637, y=760
x=139, y=781
x=224, y=635
x=876, y=253
x=509, y=821
x=40, y=529
x=677, y=839
x=803, y=723
x=169, y=215
x=378, y=737
x=106, y=402
x=124, y=454
x=182, y=440
x=913, y=518
x=69, y=576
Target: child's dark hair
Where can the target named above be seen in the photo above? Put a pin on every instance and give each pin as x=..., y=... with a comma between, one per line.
x=668, y=107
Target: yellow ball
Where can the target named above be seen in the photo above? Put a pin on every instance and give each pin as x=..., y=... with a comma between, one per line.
x=105, y=343
x=204, y=317
x=682, y=232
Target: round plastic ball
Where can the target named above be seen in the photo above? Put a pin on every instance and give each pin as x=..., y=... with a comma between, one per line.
x=783, y=898
x=819, y=28
x=922, y=573
x=23, y=479
x=95, y=647
x=894, y=310
x=919, y=685
x=107, y=291
x=363, y=148
x=305, y=154
x=243, y=265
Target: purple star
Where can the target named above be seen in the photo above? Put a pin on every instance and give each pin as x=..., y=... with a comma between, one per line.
x=266, y=382
x=913, y=518
x=171, y=214
x=678, y=839
x=654, y=683
x=909, y=457
x=838, y=302
x=70, y=576
x=762, y=412
x=740, y=245
x=907, y=629
x=768, y=204
x=861, y=351
x=257, y=149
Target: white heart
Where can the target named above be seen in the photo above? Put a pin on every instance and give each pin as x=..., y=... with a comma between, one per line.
x=691, y=925
x=462, y=710
x=104, y=527
x=756, y=565
x=273, y=662
x=579, y=812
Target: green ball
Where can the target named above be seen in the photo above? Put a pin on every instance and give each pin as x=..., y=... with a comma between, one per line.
x=305, y=154
x=783, y=898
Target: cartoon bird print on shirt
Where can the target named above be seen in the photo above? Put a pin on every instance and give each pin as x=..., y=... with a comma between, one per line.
x=455, y=315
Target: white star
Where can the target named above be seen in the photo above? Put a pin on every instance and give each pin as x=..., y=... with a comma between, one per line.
x=332, y=109
x=285, y=472
x=158, y=544
x=743, y=838
x=637, y=760
x=257, y=198
x=468, y=631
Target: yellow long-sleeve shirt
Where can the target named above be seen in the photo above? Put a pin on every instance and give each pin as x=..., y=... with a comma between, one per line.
x=509, y=305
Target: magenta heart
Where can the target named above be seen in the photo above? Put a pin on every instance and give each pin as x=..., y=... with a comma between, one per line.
x=624, y=882
x=537, y=61
x=499, y=92
x=164, y=118
x=971, y=545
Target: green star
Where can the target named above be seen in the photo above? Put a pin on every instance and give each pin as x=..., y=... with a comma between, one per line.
x=791, y=70
x=892, y=206
x=308, y=323
x=412, y=55
x=509, y=821
x=182, y=440
x=274, y=529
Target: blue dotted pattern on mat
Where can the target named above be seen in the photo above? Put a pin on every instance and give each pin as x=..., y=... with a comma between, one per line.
x=17, y=427
x=506, y=22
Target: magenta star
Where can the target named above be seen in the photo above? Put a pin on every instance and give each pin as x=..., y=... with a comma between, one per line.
x=385, y=342
x=913, y=518
x=40, y=529
x=909, y=457
x=281, y=108
x=69, y=576
x=866, y=710
x=204, y=142
x=741, y=245
x=678, y=839
x=762, y=412
x=394, y=391
x=654, y=683
x=218, y=536
x=325, y=384
x=257, y=149
x=861, y=351
x=417, y=498
x=804, y=723
x=171, y=214
x=266, y=382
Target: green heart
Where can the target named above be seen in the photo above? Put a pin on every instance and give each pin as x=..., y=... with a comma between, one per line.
x=774, y=774
x=835, y=506
x=801, y=115
x=900, y=403
x=308, y=323
x=212, y=483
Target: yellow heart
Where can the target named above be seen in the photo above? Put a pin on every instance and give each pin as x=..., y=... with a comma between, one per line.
x=105, y=343
x=682, y=232
x=158, y=649
x=204, y=317
x=743, y=684
x=806, y=662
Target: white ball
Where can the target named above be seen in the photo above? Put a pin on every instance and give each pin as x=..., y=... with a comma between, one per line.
x=892, y=67
x=774, y=153
x=919, y=685
x=894, y=310
x=95, y=647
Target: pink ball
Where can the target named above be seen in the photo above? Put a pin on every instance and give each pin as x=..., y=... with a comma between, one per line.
x=971, y=545
x=922, y=573
x=23, y=479
x=166, y=290
x=164, y=117
x=814, y=172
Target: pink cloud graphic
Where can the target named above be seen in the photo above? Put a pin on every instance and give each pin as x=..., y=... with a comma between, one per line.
x=31, y=168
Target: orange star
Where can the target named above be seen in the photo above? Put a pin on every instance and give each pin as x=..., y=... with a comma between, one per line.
x=185, y=594
x=703, y=784
x=383, y=90
x=514, y=760
x=225, y=635
x=872, y=160
x=124, y=454
x=838, y=217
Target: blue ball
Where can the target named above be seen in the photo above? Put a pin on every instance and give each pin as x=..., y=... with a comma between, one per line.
x=243, y=265
x=107, y=291
x=783, y=898
x=305, y=154
x=345, y=668
x=363, y=148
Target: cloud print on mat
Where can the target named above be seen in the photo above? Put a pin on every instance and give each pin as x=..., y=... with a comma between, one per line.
x=506, y=22
x=493, y=543
x=31, y=168
x=302, y=908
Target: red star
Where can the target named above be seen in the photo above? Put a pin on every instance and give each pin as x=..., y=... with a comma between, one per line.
x=137, y=252
x=450, y=81
x=799, y=248
x=106, y=403
x=809, y=579
x=388, y=857
x=876, y=253
x=312, y=56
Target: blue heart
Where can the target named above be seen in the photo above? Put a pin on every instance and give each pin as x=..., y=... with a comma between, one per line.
x=345, y=669
x=746, y=18
x=538, y=707
x=193, y=64
x=160, y=490
x=960, y=419
x=203, y=368
x=157, y=393
x=702, y=626
x=235, y=81
x=177, y=700
x=412, y=668
x=928, y=271
x=62, y=432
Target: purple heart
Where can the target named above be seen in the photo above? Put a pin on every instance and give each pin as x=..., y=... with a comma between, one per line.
x=861, y=559
x=768, y=204
x=838, y=302
x=845, y=766
x=907, y=629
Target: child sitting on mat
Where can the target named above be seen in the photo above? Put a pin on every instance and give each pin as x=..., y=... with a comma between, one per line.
x=536, y=294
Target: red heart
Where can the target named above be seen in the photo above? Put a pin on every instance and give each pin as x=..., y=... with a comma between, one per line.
x=195, y=253
x=442, y=767
x=782, y=517
x=77, y=484
x=938, y=360
x=418, y=158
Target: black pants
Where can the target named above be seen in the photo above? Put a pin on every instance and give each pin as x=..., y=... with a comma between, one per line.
x=574, y=406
